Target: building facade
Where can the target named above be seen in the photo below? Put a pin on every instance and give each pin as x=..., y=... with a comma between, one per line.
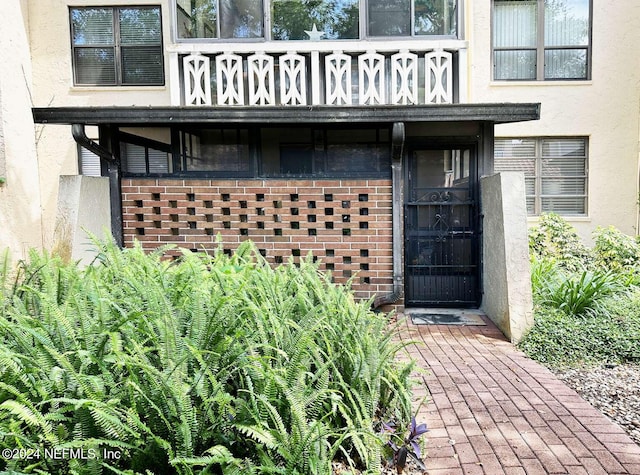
x=356, y=130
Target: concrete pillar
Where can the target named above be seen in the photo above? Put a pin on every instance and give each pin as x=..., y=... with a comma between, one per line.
x=83, y=208
x=507, y=298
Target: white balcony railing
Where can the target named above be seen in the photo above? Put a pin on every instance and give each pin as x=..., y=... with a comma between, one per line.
x=315, y=74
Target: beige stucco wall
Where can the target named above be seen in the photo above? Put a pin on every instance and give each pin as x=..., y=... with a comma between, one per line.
x=53, y=87
x=605, y=108
x=20, y=224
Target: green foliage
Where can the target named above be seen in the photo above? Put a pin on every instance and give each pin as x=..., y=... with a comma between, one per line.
x=206, y=364
x=614, y=250
x=587, y=301
x=558, y=339
x=576, y=294
x=554, y=238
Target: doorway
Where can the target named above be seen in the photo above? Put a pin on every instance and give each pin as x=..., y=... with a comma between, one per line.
x=441, y=228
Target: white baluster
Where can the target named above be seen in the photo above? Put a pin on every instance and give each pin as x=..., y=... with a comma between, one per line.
x=293, y=80
x=230, y=80
x=371, y=78
x=438, y=76
x=261, y=81
x=338, y=78
x=197, y=80
x=404, y=78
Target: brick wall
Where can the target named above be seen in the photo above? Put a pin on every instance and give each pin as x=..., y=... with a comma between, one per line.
x=346, y=224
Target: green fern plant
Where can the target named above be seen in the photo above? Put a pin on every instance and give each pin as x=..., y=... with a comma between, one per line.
x=207, y=363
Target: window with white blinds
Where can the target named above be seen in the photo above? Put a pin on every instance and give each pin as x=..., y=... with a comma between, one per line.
x=144, y=159
x=540, y=39
x=117, y=46
x=555, y=171
x=89, y=162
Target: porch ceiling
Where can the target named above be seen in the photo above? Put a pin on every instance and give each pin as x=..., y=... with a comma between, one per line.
x=496, y=113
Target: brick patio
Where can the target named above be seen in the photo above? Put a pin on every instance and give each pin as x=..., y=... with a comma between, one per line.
x=493, y=411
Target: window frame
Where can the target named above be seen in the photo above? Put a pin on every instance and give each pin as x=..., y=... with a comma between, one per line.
x=539, y=176
x=146, y=143
x=540, y=48
x=117, y=47
x=363, y=26
x=256, y=155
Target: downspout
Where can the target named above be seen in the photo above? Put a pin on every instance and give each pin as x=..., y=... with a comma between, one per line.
x=80, y=136
x=397, y=148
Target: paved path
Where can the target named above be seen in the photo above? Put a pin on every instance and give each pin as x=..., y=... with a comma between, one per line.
x=494, y=411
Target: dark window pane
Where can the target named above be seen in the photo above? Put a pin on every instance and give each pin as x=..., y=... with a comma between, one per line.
x=197, y=19
x=140, y=26
x=436, y=17
x=292, y=18
x=241, y=19
x=515, y=64
x=565, y=64
x=389, y=17
x=217, y=150
x=95, y=66
x=296, y=160
x=358, y=158
x=92, y=26
x=142, y=65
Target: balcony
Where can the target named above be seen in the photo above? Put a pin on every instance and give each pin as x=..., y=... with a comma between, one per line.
x=302, y=73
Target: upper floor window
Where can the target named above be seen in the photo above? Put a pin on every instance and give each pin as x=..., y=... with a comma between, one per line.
x=317, y=20
x=541, y=39
x=220, y=18
x=117, y=46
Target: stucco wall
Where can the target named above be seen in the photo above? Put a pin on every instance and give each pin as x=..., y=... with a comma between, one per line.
x=605, y=108
x=53, y=87
x=507, y=296
x=20, y=224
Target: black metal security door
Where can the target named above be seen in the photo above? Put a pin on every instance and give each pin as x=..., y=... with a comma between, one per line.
x=441, y=238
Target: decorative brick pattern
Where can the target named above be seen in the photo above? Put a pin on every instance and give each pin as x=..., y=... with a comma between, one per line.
x=345, y=224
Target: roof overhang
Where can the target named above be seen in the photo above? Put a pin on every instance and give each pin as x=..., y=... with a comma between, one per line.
x=152, y=115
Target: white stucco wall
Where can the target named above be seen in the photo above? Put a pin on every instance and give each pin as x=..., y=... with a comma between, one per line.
x=606, y=108
x=20, y=221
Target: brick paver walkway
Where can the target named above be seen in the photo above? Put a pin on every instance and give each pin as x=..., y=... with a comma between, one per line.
x=493, y=411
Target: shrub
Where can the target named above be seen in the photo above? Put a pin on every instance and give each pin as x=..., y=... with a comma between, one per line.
x=614, y=250
x=207, y=364
x=554, y=238
x=558, y=339
x=580, y=294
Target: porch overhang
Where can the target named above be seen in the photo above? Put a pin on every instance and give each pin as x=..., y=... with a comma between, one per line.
x=151, y=115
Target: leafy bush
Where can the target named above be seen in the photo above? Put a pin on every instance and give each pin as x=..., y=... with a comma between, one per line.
x=554, y=238
x=587, y=302
x=208, y=364
x=614, y=250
